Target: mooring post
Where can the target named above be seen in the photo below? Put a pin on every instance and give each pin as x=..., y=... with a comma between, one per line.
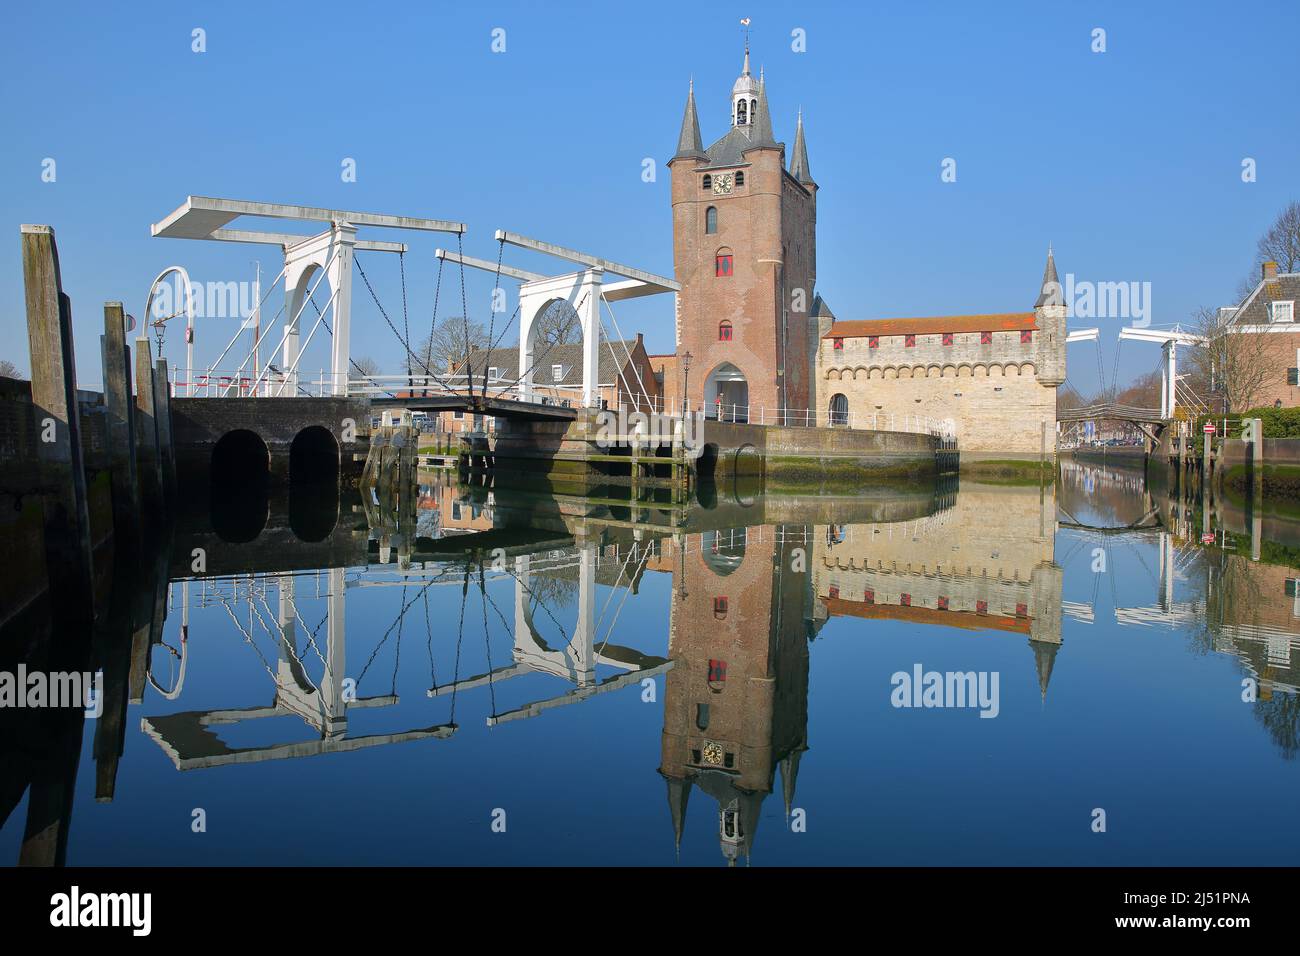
x=1257, y=459
x=58, y=432
x=121, y=425
x=149, y=467
x=162, y=403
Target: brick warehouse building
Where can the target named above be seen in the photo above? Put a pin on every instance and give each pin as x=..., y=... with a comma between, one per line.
x=745, y=253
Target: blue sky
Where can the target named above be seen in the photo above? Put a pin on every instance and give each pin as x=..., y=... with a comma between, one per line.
x=1128, y=161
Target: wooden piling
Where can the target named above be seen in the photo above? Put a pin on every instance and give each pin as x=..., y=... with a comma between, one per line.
x=58, y=432
x=162, y=402
x=148, y=464
x=121, y=421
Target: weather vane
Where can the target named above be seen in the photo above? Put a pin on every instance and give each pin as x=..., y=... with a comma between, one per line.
x=744, y=22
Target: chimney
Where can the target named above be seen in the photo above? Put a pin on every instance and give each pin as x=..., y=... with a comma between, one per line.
x=1269, y=271
x=639, y=340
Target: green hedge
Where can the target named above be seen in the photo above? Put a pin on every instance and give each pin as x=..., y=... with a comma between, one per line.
x=1278, y=422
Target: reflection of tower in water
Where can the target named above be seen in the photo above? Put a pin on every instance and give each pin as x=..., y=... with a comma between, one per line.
x=736, y=700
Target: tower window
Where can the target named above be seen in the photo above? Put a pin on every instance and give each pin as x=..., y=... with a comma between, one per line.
x=708, y=181
x=722, y=265
x=724, y=331
x=720, y=607
x=837, y=344
x=717, y=672
x=986, y=338
x=740, y=178
x=711, y=220
x=868, y=596
x=873, y=341
x=947, y=338
x=942, y=603
x=905, y=600
x=701, y=719
x=909, y=341
x=742, y=113
x=833, y=592
x=1026, y=337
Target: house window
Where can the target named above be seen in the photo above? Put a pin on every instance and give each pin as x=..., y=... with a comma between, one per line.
x=708, y=181
x=557, y=373
x=719, y=607
x=947, y=338
x=1283, y=312
x=873, y=341
x=722, y=265
x=1026, y=337
x=724, y=331
x=837, y=344
x=740, y=178
x=986, y=338
x=458, y=414
x=909, y=341
x=711, y=220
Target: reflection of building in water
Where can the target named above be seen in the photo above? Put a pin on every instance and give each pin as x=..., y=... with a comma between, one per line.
x=986, y=563
x=736, y=700
x=1254, y=612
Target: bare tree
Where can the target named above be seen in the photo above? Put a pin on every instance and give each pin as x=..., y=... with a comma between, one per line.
x=448, y=346
x=558, y=324
x=1280, y=244
x=365, y=365
x=1237, y=367
x=8, y=369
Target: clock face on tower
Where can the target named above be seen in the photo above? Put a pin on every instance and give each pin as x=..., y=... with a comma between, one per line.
x=722, y=183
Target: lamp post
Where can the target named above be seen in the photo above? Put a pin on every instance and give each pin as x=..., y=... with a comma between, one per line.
x=686, y=377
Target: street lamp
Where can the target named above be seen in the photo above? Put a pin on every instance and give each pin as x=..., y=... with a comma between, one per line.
x=686, y=377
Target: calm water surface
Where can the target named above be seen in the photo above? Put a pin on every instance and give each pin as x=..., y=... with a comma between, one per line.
x=579, y=689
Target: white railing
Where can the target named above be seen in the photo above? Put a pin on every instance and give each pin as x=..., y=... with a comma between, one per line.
x=217, y=383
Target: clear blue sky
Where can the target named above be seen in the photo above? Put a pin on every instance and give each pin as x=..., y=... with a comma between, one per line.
x=1128, y=161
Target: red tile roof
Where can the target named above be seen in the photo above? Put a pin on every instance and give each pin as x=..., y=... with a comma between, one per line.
x=933, y=325
x=838, y=607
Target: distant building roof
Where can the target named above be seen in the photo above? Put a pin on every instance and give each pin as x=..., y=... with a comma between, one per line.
x=1255, y=308
x=933, y=325
x=613, y=359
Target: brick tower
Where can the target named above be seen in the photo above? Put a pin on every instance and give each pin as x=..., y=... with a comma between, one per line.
x=744, y=250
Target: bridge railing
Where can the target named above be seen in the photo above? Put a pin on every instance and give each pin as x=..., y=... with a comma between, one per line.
x=242, y=383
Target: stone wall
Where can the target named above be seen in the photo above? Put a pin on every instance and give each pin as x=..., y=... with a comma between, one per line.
x=992, y=392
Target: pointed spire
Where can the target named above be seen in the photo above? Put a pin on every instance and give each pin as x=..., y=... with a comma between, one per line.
x=1044, y=659
x=799, y=162
x=679, y=792
x=689, y=144
x=761, y=121
x=1050, y=291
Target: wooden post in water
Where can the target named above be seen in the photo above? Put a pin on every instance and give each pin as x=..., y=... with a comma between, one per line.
x=162, y=402
x=121, y=423
x=58, y=437
x=149, y=466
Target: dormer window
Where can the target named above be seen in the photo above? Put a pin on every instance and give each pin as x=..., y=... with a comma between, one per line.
x=1282, y=312
x=493, y=372
x=557, y=373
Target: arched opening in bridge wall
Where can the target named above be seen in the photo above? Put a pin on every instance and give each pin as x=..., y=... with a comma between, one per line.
x=240, y=476
x=313, y=483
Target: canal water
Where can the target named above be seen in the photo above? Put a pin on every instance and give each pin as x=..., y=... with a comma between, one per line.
x=1085, y=672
